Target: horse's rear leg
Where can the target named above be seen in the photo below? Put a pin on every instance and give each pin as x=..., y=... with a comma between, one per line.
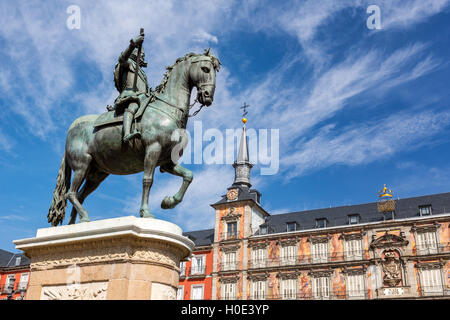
x=178, y=170
x=80, y=167
x=93, y=180
x=152, y=154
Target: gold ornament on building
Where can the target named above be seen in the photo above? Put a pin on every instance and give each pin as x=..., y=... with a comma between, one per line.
x=386, y=203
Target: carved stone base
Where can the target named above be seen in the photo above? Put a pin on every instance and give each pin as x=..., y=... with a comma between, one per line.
x=123, y=258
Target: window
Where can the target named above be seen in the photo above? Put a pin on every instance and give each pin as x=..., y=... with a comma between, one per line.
x=425, y=210
x=258, y=257
x=426, y=243
x=9, y=284
x=258, y=290
x=197, y=292
x=389, y=215
x=288, y=255
x=353, y=219
x=321, y=223
x=319, y=252
x=321, y=287
x=183, y=269
x=229, y=291
x=180, y=293
x=198, y=265
x=24, y=281
x=352, y=249
x=18, y=260
x=231, y=230
x=229, y=261
x=431, y=281
x=263, y=230
x=355, y=286
x=291, y=226
x=288, y=289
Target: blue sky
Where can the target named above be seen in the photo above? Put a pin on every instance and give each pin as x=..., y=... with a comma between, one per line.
x=355, y=107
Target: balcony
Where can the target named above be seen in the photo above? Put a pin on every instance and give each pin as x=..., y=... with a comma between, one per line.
x=435, y=291
x=337, y=295
x=198, y=271
x=309, y=259
x=436, y=249
x=7, y=289
x=229, y=266
x=224, y=236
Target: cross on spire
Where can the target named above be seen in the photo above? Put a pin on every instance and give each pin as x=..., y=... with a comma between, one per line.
x=244, y=107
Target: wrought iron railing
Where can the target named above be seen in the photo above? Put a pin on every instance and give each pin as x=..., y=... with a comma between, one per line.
x=223, y=236
x=438, y=290
x=309, y=259
x=198, y=270
x=229, y=266
x=438, y=248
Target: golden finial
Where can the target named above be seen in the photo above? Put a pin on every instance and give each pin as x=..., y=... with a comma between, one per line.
x=244, y=113
x=385, y=192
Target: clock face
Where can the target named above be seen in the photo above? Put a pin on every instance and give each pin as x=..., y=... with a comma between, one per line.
x=232, y=194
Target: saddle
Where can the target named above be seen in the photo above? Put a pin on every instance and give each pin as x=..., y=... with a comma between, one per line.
x=112, y=117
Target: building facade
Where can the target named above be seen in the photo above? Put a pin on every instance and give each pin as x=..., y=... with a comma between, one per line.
x=380, y=250
x=14, y=275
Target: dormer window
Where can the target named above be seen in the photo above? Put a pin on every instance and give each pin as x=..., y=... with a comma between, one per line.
x=388, y=215
x=353, y=219
x=321, y=223
x=425, y=210
x=291, y=226
x=263, y=230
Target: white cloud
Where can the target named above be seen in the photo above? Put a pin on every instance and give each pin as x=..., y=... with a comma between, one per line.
x=364, y=143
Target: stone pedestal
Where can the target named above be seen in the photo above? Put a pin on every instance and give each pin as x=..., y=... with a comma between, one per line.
x=113, y=259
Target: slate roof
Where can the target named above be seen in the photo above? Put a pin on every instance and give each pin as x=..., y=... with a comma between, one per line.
x=201, y=237
x=368, y=212
x=245, y=193
x=336, y=216
x=8, y=259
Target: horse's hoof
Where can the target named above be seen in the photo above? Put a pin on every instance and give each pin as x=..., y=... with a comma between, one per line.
x=169, y=203
x=144, y=213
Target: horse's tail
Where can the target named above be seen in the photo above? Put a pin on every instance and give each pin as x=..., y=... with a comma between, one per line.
x=59, y=202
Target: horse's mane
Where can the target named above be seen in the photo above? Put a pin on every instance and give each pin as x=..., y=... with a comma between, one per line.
x=215, y=61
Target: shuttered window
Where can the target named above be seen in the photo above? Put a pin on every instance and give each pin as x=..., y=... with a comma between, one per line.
x=229, y=261
x=321, y=288
x=288, y=255
x=229, y=291
x=431, y=281
x=288, y=289
x=197, y=292
x=180, y=293
x=258, y=290
x=352, y=249
x=355, y=286
x=258, y=257
x=426, y=242
x=319, y=252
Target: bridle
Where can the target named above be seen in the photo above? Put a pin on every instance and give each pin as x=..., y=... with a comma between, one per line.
x=195, y=101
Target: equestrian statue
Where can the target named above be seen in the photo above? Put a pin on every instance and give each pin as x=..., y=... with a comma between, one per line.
x=143, y=130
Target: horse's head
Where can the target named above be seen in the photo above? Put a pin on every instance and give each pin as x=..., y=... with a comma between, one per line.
x=203, y=76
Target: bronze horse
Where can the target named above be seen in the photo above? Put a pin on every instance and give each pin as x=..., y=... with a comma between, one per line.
x=93, y=153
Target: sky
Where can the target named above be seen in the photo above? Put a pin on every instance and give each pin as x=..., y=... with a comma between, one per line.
x=355, y=107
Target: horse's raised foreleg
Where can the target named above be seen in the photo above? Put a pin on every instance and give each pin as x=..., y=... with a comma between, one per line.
x=178, y=170
x=152, y=154
x=80, y=168
x=93, y=180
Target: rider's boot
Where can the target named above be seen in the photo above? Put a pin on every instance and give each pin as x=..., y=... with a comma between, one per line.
x=127, y=122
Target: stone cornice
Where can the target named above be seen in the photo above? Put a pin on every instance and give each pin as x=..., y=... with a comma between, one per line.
x=425, y=228
x=352, y=236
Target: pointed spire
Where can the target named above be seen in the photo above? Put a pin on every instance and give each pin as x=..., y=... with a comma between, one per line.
x=242, y=165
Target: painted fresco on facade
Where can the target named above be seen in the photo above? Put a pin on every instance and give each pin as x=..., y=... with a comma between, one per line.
x=305, y=289
x=447, y=274
x=338, y=283
x=337, y=247
x=303, y=250
x=273, y=290
x=272, y=253
x=444, y=234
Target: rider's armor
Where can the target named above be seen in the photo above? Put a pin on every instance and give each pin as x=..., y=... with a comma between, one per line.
x=128, y=100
